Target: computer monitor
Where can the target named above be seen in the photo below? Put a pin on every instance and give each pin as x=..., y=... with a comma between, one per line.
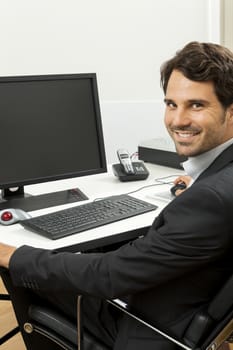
x=50, y=130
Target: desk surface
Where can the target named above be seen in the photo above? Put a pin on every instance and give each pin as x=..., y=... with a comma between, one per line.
x=95, y=186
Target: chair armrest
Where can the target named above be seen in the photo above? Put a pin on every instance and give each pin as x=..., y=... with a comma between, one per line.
x=54, y=321
x=121, y=305
x=222, y=302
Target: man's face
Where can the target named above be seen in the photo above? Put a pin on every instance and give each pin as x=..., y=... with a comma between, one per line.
x=194, y=117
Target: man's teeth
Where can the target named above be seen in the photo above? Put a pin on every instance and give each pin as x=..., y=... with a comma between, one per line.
x=185, y=135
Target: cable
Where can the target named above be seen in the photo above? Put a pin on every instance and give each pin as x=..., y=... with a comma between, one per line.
x=143, y=187
x=159, y=180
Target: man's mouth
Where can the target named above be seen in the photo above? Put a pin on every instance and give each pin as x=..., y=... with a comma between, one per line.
x=185, y=134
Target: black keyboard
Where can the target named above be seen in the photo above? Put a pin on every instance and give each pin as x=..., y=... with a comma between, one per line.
x=83, y=217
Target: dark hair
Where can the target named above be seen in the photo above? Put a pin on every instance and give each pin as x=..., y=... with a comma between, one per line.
x=204, y=62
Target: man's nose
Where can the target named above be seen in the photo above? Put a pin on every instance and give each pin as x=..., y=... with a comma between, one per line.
x=180, y=117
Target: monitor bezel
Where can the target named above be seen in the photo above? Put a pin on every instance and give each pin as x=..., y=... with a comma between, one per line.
x=103, y=166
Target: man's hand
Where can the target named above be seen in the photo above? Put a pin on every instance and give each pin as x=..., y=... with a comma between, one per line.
x=182, y=179
x=6, y=251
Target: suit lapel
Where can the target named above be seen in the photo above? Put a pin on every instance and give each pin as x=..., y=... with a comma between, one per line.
x=220, y=162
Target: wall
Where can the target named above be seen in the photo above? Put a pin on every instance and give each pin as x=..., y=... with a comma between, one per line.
x=226, y=23
x=123, y=41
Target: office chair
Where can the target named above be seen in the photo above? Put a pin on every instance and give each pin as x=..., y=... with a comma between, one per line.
x=44, y=327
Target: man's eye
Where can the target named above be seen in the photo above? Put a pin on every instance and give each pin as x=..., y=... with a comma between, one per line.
x=197, y=105
x=171, y=105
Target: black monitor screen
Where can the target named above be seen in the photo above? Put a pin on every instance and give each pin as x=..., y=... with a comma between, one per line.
x=50, y=128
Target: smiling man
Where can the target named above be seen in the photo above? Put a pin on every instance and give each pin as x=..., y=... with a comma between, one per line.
x=197, y=84
x=175, y=269
x=195, y=118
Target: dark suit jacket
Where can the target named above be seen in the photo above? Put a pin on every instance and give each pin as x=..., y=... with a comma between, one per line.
x=169, y=274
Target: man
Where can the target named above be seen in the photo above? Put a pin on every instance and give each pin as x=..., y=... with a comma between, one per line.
x=174, y=270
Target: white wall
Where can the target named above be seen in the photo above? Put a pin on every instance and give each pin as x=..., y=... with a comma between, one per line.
x=123, y=41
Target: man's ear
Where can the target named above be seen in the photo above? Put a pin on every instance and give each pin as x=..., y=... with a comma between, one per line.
x=230, y=113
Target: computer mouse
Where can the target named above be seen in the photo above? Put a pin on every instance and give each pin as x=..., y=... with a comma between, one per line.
x=12, y=216
x=179, y=186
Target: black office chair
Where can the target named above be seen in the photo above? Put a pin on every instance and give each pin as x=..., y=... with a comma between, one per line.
x=44, y=327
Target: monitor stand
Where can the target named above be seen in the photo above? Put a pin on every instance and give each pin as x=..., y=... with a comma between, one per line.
x=12, y=198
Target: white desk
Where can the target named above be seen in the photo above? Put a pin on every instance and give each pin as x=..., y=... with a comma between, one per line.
x=94, y=186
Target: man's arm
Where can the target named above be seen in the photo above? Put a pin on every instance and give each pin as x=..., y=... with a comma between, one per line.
x=6, y=252
x=182, y=240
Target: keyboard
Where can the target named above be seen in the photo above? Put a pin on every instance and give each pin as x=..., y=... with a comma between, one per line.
x=83, y=217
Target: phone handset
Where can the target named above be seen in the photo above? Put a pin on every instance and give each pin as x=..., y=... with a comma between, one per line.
x=125, y=161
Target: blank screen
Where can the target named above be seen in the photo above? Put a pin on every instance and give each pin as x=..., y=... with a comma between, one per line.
x=50, y=128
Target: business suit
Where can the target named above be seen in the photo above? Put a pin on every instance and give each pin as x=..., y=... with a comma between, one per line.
x=169, y=274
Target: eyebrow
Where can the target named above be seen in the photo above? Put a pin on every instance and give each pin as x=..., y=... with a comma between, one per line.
x=167, y=100
x=191, y=101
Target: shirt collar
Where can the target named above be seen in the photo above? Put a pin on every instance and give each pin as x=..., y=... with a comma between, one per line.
x=194, y=166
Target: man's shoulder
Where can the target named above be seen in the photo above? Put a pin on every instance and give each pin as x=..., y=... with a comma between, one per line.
x=219, y=183
x=225, y=174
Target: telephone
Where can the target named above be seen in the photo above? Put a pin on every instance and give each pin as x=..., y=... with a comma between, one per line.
x=127, y=170
x=125, y=161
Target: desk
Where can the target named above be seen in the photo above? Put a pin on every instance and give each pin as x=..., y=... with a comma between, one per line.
x=94, y=186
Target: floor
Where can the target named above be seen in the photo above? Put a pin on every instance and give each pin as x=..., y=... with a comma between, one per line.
x=8, y=322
